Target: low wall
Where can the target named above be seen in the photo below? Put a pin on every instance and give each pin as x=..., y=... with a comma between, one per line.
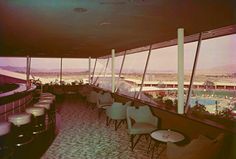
x=15, y=103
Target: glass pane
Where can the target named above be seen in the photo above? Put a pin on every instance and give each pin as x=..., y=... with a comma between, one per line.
x=161, y=81
x=161, y=72
x=215, y=81
x=75, y=70
x=99, y=74
x=47, y=70
x=118, y=63
x=14, y=67
x=132, y=74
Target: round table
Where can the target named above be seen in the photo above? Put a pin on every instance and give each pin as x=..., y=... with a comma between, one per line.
x=164, y=136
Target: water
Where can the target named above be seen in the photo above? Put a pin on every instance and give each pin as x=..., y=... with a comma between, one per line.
x=202, y=101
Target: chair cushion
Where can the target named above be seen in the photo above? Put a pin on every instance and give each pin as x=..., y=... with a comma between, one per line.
x=142, y=128
x=202, y=147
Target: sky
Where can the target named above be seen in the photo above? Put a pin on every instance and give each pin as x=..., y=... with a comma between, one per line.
x=214, y=53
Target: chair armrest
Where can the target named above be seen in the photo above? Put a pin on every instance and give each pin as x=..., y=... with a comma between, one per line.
x=132, y=121
x=153, y=120
x=108, y=111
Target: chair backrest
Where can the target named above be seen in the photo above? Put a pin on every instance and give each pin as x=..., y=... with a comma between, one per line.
x=92, y=98
x=105, y=98
x=128, y=103
x=139, y=114
x=117, y=111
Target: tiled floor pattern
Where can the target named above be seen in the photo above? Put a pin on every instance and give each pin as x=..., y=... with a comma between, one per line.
x=83, y=135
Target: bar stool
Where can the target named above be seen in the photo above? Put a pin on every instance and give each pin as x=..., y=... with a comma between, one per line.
x=38, y=119
x=47, y=97
x=48, y=100
x=47, y=107
x=21, y=128
x=47, y=94
x=5, y=140
x=50, y=111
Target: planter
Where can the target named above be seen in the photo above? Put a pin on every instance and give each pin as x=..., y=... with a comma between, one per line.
x=200, y=115
x=223, y=121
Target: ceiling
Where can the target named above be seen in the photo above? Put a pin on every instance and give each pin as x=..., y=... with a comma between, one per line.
x=83, y=28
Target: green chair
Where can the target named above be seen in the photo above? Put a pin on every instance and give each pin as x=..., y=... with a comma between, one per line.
x=140, y=122
x=116, y=112
x=104, y=100
x=92, y=98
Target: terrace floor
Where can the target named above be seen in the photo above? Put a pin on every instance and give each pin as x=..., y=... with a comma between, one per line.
x=82, y=135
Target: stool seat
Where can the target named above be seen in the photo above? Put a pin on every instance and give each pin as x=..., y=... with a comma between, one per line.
x=20, y=119
x=36, y=111
x=5, y=128
x=42, y=100
x=47, y=97
x=43, y=105
x=47, y=94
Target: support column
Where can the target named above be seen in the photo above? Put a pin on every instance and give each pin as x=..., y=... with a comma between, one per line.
x=113, y=70
x=180, y=71
x=193, y=73
x=144, y=73
x=61, y=72
x=89, y=80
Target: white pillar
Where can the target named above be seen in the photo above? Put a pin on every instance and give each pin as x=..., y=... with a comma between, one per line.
x=89, y=80
x=180, y=70
x=61, y=72
x=113, y=70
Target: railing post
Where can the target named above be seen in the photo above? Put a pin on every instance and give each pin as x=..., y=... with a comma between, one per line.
x=180, y=71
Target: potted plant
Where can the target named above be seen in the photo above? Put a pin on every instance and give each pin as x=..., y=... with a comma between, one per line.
x=224, y=117
x=199, y=111
x=169, y=104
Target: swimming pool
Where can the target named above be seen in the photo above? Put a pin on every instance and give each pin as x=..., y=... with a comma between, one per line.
x=202, y=101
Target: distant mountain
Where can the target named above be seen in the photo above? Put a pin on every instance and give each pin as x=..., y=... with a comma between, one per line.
x=224, y=69
x=14, y=69
x=23, y=69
